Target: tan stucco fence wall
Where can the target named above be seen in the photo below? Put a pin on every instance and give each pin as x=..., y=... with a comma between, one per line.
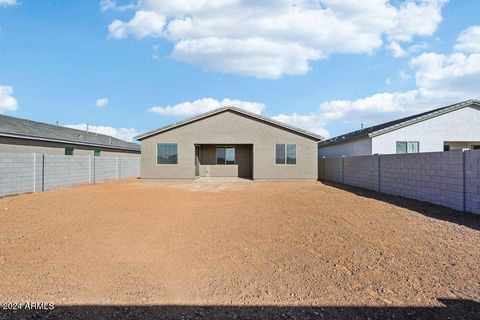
x=450, y=179
x=33, y=172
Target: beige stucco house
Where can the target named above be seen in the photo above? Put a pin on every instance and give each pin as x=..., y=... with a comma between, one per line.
x=229, y=142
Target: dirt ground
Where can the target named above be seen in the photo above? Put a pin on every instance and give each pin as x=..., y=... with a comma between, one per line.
x=257, y=249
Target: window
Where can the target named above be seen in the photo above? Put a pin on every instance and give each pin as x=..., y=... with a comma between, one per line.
x=413, y=147
x=401, y=147
x=167, y=153
x=69, y=151
x=476, y=147
x=408, y=147
x=96, y=152
x=446, y=147
x=285, y=153
x=225, y=155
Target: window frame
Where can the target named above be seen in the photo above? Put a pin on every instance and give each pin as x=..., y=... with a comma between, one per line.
x=166, y=164
x=406, y=147
x=69, y=148
x=95, y=150
x=225, y=158
x=286, y=154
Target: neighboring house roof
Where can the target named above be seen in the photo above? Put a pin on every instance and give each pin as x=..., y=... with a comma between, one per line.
x=377, y=130
x=235, y=110
x=33, y=130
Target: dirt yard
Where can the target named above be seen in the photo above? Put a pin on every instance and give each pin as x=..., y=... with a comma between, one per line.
x=243, y=244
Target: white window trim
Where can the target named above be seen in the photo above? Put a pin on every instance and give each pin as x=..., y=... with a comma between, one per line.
x=275, y=155
x=167, y=164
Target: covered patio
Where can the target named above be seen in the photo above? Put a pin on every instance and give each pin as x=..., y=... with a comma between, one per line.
x=224, y=160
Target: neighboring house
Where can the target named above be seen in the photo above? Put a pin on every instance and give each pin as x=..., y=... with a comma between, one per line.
x=449, y=128
x=229, y=142
x=26, y=136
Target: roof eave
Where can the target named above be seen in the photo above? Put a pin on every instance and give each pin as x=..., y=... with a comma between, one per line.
x=223, y=109
x=432, y=115
x=6, y=134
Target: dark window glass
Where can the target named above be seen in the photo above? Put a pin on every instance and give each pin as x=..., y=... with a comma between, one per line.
x=401, y=147
x=476, y=147
x=167, y=153
x=69, y=151
x=225, y=155
x=280, y=153
x=96, y=152
x=446, y=147
x=220, y=155
x=291, y=154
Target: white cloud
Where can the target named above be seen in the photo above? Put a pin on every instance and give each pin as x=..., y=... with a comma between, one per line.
x=7, y=101
x=143, y=24
x=126, y=134
x=440, y=80
x=106, y=5
x=397, y=50
x=268, y=39
x=469, y=40
x=6, y=3
x=204, y=105
x=102, y=102
x=313, y=122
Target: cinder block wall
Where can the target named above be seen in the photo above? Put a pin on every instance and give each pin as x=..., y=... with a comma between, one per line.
x=333, y=169
x=472, y=181
x=432, y=177
x=129, y=167
x=22, y=173
x=362, y=171
x=106, y=169
x=450, y=179
x=63, y=171
x=17, y=173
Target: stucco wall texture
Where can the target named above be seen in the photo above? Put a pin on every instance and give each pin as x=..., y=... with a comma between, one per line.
x=459, y=129
x=22, y=172
x=230, y=128
x=450, y=179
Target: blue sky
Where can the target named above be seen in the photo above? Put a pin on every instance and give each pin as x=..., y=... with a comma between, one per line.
x=125, y=67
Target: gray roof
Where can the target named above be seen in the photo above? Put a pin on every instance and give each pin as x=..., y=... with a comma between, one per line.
x=396, y=124
x=235, y=110
x=33, y=130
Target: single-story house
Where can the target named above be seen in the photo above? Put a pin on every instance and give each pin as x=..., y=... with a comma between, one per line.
x=229, y=142
x=452, y=127
x=26, y=136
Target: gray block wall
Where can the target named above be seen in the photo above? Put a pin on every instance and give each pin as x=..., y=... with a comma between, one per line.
x=472, y=181
x=333, y=169
x=22, y=173
x=450, y=179
x=65, y=171
x=129, y=167
x=433, y=177
x=362, y=171
x=17, y=173
x=106, y=169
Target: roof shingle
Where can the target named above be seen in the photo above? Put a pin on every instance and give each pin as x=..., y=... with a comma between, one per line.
x=28, y=129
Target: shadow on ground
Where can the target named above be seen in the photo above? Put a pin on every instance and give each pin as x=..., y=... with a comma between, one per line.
x=470, y=220
x=452, y=309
